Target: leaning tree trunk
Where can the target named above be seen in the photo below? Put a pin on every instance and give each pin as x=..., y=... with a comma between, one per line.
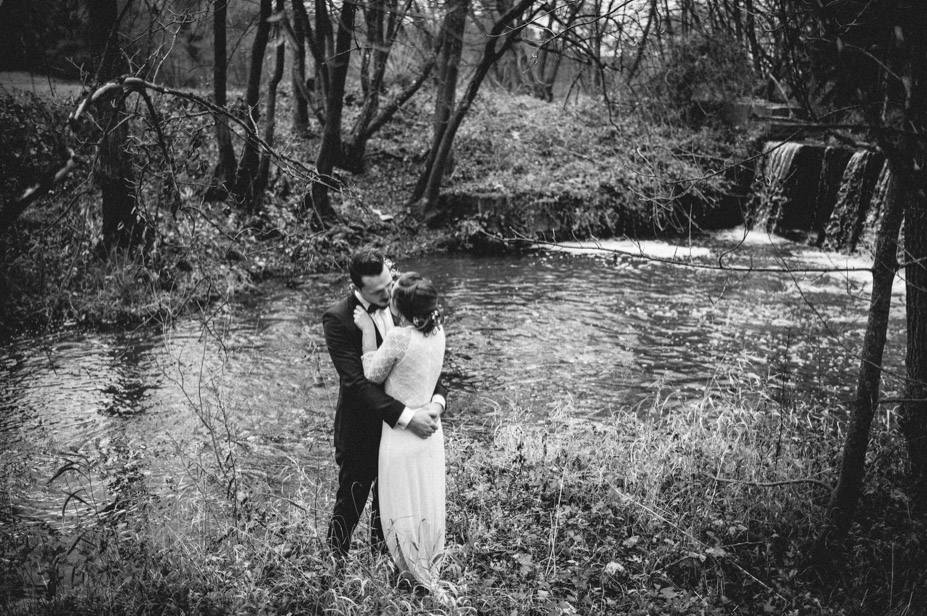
x=913, y=417
x=375, y=56
x=224, y=174
x=371, y=118
x=246, y=181
x=336, y=70
x=843, y=500
x=114, y=173
x=271, y=120
x=448, y=64
x=503, y=35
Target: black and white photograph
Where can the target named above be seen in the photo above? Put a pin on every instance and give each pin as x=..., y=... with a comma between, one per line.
x=463, y=308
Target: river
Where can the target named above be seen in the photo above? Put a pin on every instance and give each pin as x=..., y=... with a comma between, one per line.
x=607, y=333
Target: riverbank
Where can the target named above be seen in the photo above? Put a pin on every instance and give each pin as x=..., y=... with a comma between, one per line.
x=708, y=509
x=523, y=168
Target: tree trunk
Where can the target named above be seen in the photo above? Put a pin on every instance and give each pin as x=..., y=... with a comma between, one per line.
x=913, y=416
x=246, y=181
x=117, y=181
x=504, y=35
x=224, y=174
x=301, y=104
x=909, y=36
x=369, y=121
x=448, y=65
x=121, y=226
x=550, y=55
x=311, y=87
x=373, y=69
x=750, y=27
x=642, y=43
x=394, y=105
x=336, y=69
x=323, y=49
x=843, y=501
x=270, y=123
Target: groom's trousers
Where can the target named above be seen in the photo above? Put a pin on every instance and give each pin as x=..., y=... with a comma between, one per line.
x=356, y=478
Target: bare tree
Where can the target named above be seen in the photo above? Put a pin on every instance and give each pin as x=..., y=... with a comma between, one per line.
x=246, y=182
x=298, y=70
x=911, y=150
x=224, y=174
x=913, y=416
x=843, y=500
x=534, y=62
x=501, y=37
x=114, y=173
x=383, y=20
x=877, y=61
x=450, y=48
x=309, y=89
x=270, y=123
x=333, y=73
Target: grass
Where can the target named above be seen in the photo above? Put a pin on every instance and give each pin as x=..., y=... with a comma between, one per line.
x=706, y=509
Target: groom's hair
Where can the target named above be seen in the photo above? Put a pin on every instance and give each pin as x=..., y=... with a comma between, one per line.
x=365, y=262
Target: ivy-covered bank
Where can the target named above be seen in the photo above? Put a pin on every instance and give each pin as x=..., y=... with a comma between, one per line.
x=523, y=168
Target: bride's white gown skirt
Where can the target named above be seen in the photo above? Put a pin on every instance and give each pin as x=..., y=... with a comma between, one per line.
x=412, y=492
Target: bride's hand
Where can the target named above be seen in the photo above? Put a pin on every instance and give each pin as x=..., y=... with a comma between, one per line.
x=363, y=320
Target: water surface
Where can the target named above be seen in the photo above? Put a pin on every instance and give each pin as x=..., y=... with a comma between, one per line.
x=608, y=333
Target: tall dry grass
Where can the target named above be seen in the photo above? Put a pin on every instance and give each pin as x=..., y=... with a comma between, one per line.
x=701, y=508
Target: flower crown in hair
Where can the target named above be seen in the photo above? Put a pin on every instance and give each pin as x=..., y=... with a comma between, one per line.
x=434, y=316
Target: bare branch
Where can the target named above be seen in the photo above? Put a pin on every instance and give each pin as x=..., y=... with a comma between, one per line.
x=299, y=169
x=773, y=484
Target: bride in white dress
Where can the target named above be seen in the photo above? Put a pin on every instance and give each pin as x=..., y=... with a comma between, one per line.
x=411, y=473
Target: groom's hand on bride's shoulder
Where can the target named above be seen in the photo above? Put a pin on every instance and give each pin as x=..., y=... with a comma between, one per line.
x=424, y=422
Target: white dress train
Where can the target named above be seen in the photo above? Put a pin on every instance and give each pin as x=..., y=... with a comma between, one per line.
x=411, y=474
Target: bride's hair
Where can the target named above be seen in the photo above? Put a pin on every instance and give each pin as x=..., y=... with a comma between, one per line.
x=417, y=300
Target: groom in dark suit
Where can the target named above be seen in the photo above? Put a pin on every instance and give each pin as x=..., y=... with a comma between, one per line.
x=364, y=406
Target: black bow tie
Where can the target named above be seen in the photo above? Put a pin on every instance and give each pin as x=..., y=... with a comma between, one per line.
x=372, y=308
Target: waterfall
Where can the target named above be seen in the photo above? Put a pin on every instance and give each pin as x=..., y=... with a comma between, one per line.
x=788, y=195
x=876, y=206
x=833, y=165
x=831, y=196
x=853, y=201
x=774, y=175
x=779, y=157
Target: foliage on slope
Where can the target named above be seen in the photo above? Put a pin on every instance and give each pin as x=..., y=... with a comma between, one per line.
x=552, y=171
x=522, y=167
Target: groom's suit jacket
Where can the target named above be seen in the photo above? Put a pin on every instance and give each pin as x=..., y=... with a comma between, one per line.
x=362, y=405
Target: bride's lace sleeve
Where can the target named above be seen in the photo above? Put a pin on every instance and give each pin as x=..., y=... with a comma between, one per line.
x=379, y=363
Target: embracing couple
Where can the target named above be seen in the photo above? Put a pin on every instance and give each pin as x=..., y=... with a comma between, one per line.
x=387, y=344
